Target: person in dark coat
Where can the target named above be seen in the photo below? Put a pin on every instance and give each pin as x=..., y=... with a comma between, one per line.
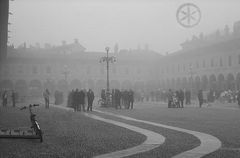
x=90, y=96
x=131, y=98
x=200, y=98
x=181, y=97
x=170, y=98
x=118, y=99
x=82, y=100
x=4, y=98
x=13, y=98
x=238, y=98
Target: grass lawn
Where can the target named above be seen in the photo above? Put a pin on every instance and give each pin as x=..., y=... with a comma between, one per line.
x=66, y=134
x=222, y=123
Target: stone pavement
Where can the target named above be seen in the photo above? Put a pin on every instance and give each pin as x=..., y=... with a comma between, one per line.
x=208, y=144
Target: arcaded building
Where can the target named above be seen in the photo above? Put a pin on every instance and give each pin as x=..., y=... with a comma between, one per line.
x=206, y=62
x=70, y=66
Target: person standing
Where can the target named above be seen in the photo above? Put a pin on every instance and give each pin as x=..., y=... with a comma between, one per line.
x=131, y=98
x=238, y=98
x=181, y=97
x=46, y=95
x=4, y=98
x=200, y=98
x=90, y=96
x=13, y=98
x=82, y=99
x=170, y=98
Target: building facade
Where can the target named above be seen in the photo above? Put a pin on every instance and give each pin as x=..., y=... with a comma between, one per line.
x=206, y=62
x=67, y=67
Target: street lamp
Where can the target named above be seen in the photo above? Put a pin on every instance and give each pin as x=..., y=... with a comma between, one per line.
x=108, y=59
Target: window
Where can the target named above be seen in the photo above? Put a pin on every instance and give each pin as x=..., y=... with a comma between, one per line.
x=221, y=62
x=20, y=69
x=173, y=67
x=212, y=63
x=34, y=70
x=197, y=65
x=48, y=70
x=126, y=71
x=139, y=71
x=88, y=70
x=229, y=61
x=203, y=64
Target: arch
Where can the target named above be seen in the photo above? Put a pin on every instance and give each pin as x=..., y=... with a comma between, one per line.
x=197, y=83
x=139, y=86
x=50, y=85
x=178, y=83
x=62, y=86
x=204, y=82
x=212, y=82
x=126, y=84
x=7, y=85
x=230, y=82
x=21, y=87
x=221, y=82
x=168, y=84
x=75, y=84
x=173, y=86
x=35, y=88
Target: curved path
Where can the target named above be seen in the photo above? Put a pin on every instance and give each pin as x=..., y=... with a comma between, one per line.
x=153, y=140
x=208, y=144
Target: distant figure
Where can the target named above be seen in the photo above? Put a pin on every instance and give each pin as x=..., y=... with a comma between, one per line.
x=238, y=98
x=13, y=98
x=4, y=98
x=46, y=95
x=82, y=99
x=170, y=98
x=90, y=96
x=181, y=97
x=131, y=98
x=200, y=98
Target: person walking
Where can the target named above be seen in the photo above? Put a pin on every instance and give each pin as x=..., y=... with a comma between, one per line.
x=170, y=98
x=200, y=98
x=90, y=96
x=4, y=98
x=13, y=98
x=131, y=98
x=46, y=95
x=181, y=97
x=238, y=98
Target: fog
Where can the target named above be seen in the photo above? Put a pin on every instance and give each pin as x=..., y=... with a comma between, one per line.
x=100, y=23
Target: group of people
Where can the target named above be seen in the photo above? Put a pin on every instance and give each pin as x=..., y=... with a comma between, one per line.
x=79, y=99
x=176, y=99
x=8, y=95
x=120, y=98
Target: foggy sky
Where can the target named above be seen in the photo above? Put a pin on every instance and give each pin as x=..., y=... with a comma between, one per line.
x=100, y=23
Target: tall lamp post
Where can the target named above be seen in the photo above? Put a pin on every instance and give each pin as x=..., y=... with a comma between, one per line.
x=108, y=59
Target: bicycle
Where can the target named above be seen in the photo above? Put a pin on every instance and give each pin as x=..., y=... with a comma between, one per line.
x=35, y=126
